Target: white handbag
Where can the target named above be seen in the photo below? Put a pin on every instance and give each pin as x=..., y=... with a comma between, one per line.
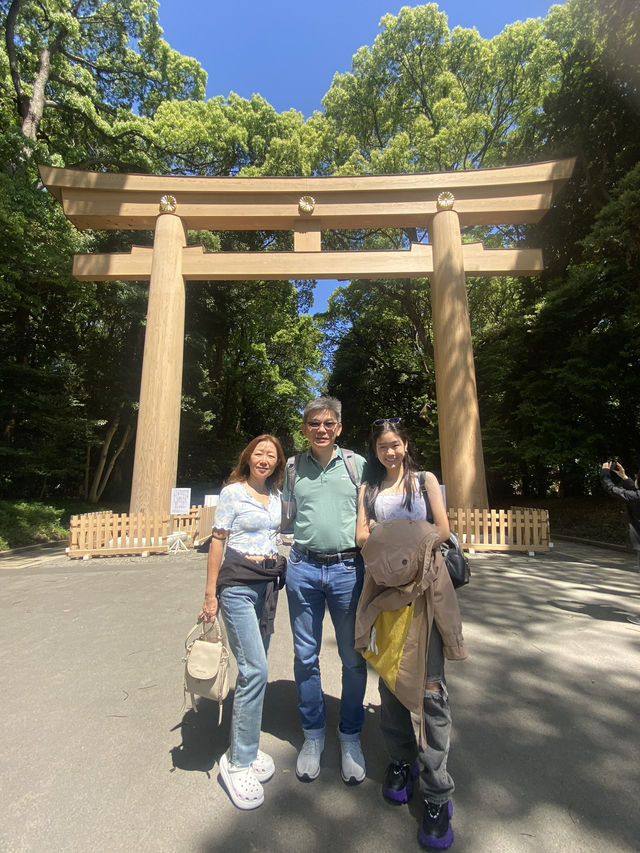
x=206, y=671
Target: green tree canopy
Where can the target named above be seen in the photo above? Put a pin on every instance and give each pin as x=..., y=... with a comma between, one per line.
x=424, y=98
x=86, y=74
x=93, y=84
x=556, y=358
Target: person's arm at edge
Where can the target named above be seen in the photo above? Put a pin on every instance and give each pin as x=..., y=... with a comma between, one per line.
x=627, y=481
x=627, y=491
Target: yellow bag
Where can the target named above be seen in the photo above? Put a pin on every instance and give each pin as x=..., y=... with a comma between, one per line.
x=386, y=643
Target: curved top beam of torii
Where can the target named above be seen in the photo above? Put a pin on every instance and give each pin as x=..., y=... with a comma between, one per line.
x=440, y=202
x=307, y=206
x=509, y=195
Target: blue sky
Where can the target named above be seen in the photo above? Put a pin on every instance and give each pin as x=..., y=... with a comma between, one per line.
x=288, y=50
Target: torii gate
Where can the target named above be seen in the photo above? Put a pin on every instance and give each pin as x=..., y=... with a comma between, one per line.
x=440, y=202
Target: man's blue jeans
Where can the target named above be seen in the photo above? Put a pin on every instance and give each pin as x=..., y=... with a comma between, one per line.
x=311, y=587
x=241, y=608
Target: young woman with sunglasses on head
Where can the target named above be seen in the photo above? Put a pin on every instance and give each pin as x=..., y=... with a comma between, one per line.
x=392, y=490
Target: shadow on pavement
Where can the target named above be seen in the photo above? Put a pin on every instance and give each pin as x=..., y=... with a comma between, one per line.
x=545, y=730
x=98, y=751
x=596, y=611
x=203, y=740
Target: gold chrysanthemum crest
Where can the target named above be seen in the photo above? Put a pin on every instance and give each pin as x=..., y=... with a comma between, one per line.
x=306, y=204
x=445, y=201
x=168, y=204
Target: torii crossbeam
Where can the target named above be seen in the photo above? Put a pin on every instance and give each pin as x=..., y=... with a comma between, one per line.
x=440, y=202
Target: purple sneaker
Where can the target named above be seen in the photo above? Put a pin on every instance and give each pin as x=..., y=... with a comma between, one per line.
x=435, y=830
x=397, y=786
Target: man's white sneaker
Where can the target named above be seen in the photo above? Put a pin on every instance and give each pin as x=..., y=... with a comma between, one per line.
x=352, y=769
x=308, y=764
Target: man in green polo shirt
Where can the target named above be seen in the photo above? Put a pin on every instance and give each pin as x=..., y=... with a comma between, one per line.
x=325, y=570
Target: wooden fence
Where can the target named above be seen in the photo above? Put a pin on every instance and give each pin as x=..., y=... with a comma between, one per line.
x=107, y=534
x=515, y=529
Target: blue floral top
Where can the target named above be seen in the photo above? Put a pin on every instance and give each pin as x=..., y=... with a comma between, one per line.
x=252, y=526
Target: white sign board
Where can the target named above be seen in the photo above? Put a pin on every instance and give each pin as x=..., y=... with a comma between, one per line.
x=211, y=500
x=180, y=501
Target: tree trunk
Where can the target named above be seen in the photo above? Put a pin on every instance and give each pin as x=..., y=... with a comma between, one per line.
x=87, y=467
x=102, y=461
x=35, y=108
x=126, y=438
x=10, y=30
x=31, y=107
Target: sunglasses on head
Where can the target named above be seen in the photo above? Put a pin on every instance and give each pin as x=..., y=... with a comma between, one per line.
x=382, y=421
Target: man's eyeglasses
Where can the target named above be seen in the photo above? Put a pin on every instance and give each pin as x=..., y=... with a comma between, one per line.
x=382, y=421
x=328, y=425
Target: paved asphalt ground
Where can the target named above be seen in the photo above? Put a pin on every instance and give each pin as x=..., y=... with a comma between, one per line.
x=99, y=754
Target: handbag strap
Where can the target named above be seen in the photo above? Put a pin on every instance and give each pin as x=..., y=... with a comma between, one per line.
x=204, y=632
x=422, y=480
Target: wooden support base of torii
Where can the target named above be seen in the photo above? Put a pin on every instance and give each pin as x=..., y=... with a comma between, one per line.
x=439, y=202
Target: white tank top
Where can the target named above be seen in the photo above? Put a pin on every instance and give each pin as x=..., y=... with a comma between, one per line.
x=392, y=506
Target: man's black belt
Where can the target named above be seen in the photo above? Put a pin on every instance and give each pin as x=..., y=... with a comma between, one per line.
x=323, y=557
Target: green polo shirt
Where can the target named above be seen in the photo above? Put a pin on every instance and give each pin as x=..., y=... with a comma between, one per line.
x=326, y=503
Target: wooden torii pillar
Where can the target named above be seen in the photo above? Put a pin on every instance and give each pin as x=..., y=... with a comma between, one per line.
x=155, y=464
x=456, y=394
x=440, y=202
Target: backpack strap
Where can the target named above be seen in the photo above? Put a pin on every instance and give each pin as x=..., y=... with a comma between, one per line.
x=291, y=469
x=349, y=459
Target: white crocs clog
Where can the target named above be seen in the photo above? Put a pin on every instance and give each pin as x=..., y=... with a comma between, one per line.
x=242, y=785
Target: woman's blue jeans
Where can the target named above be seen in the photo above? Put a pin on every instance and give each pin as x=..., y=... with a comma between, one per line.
x=312, y=587
x=241, y=608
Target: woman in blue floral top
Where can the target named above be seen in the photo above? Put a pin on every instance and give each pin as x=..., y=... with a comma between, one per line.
x=246, y=584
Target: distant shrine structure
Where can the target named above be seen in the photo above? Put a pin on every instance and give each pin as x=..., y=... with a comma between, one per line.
x=439, y=202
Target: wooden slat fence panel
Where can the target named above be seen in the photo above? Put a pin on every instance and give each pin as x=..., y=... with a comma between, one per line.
x=185, y=523
x=108, y=534
x=105, y=533
x=515, y=529
x=204, y=523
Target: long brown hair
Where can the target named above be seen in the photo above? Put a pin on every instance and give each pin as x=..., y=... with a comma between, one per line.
x=241, y=471
x=376, y=470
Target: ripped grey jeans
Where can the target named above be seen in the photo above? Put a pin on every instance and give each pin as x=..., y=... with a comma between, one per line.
x=436, y=785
